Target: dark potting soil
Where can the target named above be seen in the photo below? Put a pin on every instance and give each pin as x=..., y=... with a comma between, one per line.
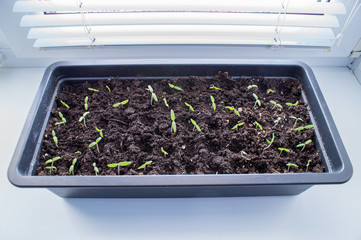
x=136, y=131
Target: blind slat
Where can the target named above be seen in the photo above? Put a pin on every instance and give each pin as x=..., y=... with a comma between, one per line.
x=181, y=30
x=69, y=42
x=294, y=6
x=180, y=18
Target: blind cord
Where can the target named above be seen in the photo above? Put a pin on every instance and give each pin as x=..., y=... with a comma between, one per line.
x=87, y=28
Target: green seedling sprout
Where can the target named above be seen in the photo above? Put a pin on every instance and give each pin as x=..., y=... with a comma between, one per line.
x=258, y=125
x=214, y=87
x=78, y=152
x=308, y=164
x=275, y=104
x=196, y=125
x=252, y=86
x=65, y=105
x=95, y=143
x=190, y=106
x=270, y=91
x=52, y=167
x=292, y=104
x=270, y=142
x=121, y=103
x=174, y=125
x=213, y=103
x=237, y=125
x=82, y=118
x=71, y=169
x=55, y=139
x=108, y=88
x=257, y=101
x=303, y=145
x=234, y=110
x=290, y=165
x=164, y=152
x=277, y=121
x=93, y=89
x=119, y=164
x=283, y=150
x=175, y=87
x=150, y=89
x=100, y=131
x=165, y=102
x=304, y=128
x=62, y=118
x=96, y=169
x=145, y=164
x=86, y=103
x=296, y=119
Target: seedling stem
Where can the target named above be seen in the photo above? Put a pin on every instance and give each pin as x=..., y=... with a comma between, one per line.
x=308, y=164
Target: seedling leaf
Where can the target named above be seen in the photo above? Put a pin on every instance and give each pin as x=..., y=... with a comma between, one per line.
x=145, y=164
x=93, y=89
x=172, y=116
x=190, y=106
x=65, y=105
x=175, y=87
x=237, y=125
x=252, y=86
x=196, y=125
x=165, y=102
x=174, y=127
x=163, y=151
x=213, y=87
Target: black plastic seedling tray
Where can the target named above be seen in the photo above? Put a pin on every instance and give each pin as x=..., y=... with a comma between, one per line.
x=21, y=171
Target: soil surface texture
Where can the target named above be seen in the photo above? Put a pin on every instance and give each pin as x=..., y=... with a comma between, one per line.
x=262, y=139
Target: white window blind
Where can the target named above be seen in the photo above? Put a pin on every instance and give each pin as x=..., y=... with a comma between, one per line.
x=62, y=23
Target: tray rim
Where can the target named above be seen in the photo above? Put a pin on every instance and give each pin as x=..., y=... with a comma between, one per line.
x=341, y=176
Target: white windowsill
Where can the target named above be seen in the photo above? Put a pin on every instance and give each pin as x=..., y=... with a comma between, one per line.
x=322, y=212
